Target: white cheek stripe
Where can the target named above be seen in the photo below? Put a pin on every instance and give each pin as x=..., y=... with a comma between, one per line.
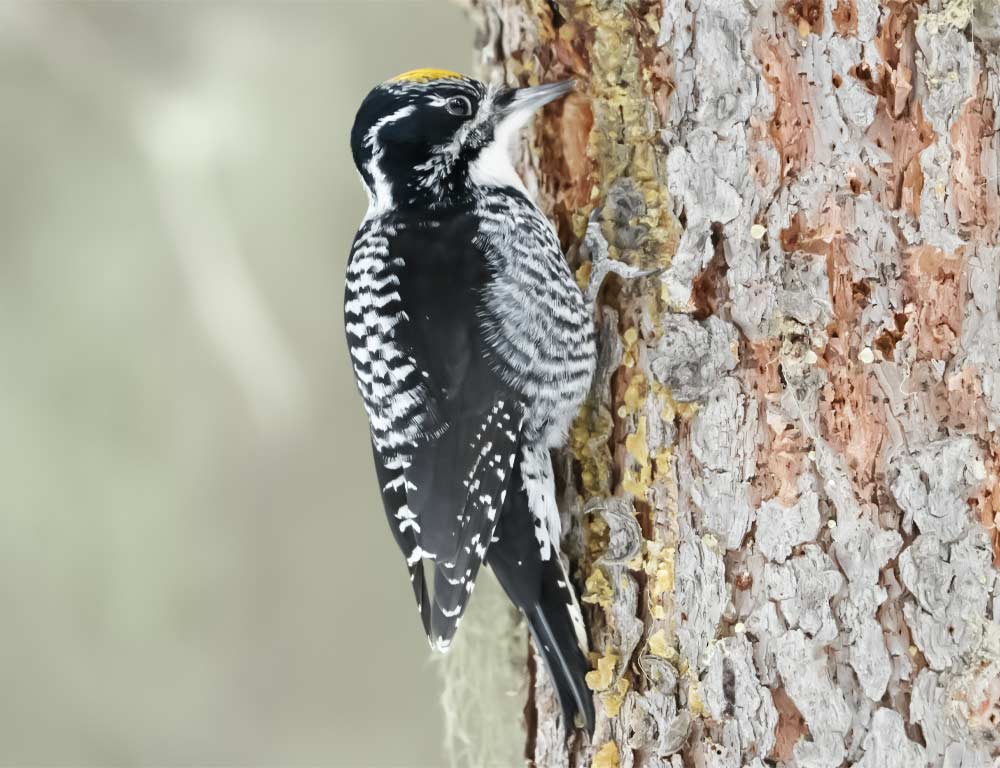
x=380, y=193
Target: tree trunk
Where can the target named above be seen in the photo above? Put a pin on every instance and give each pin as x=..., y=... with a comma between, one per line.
x=780, y=500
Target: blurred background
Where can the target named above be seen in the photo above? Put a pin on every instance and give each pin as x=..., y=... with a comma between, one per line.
x=194, y=567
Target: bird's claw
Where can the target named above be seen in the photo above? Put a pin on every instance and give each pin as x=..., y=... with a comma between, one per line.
x=595, y=247
x=629, y=272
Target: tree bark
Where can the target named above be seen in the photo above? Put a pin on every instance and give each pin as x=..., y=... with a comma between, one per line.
x=780, y=499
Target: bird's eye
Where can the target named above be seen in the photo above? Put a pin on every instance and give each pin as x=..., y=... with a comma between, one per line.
x=459, y=106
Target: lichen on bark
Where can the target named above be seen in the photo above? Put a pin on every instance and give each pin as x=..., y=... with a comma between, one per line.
x=781, y=498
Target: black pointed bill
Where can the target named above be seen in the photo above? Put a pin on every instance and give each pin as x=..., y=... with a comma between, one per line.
x=528, y=100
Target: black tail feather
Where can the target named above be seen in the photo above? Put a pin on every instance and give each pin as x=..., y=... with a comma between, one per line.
x=556, y=641
x=543, y=591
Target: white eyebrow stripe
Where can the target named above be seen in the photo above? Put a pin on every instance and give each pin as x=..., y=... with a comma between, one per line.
x=399, y=114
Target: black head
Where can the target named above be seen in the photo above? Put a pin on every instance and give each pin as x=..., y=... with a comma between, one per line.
x=430, y=136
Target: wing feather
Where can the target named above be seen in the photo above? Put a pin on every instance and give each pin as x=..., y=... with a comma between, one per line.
x=405, y=530
x=454, y=478
x=485, y=488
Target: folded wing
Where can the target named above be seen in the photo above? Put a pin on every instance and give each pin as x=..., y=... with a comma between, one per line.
x=444, y=497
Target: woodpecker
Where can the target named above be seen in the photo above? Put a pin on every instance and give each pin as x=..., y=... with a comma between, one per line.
x=473, y=349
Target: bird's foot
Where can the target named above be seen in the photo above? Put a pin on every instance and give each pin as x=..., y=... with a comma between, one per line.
x=595, y=246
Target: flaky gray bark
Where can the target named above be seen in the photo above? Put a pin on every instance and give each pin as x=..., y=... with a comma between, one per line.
x=781, y=497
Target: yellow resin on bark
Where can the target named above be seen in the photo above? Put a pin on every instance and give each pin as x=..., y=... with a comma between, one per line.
x=606, y=756
x=613, y=699
x=597, y=590
x=600, y=678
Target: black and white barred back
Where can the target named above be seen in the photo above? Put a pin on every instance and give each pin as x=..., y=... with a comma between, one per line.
x=535, y=332
x=473, y=350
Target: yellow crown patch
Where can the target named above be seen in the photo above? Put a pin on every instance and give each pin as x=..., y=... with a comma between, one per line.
x=424, y=75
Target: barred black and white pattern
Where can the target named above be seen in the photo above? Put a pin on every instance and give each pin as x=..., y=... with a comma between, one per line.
x=538, y=322
x=473, y=349
x=389, y=379
x=542, y=331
